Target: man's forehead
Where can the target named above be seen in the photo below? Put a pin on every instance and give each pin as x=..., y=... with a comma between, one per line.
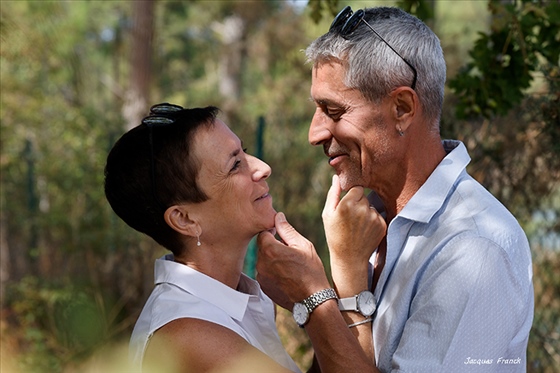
x=330, y=64
x=328, y=85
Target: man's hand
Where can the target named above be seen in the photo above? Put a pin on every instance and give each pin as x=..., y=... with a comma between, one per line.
x=353, y=228
x=291, y=270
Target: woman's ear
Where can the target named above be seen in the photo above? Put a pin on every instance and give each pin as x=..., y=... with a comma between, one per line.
x=177, y=217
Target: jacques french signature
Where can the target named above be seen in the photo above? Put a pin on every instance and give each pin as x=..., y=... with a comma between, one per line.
x=471, y=361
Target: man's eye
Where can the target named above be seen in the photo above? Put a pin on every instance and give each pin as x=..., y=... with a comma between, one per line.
x=333, y=114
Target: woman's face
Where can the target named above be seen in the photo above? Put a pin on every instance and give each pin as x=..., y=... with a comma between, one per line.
x=239, y=204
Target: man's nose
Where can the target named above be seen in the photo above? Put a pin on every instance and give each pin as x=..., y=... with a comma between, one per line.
x=319, y=132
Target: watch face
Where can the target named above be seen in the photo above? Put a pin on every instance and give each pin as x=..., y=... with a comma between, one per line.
x=366, y=303
x=300, y=314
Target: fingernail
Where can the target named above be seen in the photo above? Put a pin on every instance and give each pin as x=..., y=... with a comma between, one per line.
x=281, y=217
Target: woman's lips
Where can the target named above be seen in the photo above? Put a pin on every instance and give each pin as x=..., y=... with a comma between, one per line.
x=266, y=195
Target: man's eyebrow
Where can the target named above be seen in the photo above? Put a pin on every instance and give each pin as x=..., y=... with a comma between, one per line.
x=324, y=102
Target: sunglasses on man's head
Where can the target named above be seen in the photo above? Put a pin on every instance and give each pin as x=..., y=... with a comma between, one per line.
x=346, y=22
x=159, y=116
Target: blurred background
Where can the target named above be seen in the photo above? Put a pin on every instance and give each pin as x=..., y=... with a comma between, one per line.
x=75, y=75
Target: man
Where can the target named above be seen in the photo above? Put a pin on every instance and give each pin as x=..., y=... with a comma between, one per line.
x=451, y=279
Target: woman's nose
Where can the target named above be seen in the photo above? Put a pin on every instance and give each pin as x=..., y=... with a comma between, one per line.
x=261, y=170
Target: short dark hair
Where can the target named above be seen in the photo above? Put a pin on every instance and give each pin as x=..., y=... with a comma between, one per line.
x=128, y=178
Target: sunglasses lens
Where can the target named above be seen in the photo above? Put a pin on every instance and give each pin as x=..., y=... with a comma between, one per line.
x=352, y=23
x=341, y=18
x=156, y=121
x=165, y=108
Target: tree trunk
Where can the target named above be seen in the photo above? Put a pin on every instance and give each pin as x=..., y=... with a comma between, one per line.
x=137, y=96
x=232, y=32
x=4, y=258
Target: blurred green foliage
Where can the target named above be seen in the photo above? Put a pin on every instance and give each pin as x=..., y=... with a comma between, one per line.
x=74, y=277
x=58, y=323
x=523, y=40
x=544, y=342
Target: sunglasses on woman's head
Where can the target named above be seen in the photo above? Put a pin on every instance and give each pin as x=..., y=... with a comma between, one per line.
x=158, y=118
x=157, y=114
x=346, y=22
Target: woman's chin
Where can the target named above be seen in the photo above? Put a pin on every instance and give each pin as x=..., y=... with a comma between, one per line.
x=268, y=223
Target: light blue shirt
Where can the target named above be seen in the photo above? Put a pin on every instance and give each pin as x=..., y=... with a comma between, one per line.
x=456, y=293
x=182, y=292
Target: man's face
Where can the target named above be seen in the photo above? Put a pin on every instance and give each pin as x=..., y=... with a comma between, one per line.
x=353, y=131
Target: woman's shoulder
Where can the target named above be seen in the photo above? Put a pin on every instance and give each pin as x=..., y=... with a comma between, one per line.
x=202, y=346
x=168, y=303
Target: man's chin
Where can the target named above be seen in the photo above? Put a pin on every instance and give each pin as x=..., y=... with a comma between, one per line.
x=345, y=183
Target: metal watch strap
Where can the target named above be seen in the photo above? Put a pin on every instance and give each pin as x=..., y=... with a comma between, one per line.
x=319, y=297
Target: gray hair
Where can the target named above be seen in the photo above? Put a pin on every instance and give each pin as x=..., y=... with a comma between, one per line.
x=375, y=70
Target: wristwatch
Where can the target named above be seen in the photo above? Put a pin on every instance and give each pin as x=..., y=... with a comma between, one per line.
x=303, y=309
x=363, y=303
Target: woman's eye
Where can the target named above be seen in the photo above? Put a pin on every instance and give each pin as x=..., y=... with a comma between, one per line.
x=236, y=165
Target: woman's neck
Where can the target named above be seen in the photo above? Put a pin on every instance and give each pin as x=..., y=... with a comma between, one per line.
x=223, y=262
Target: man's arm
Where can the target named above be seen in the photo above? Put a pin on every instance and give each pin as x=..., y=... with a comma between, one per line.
x=353, y=230
x=291, y=271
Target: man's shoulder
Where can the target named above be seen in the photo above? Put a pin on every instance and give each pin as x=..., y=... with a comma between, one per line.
x=490, y=218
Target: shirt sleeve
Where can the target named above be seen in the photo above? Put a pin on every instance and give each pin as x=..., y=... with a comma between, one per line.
x=471, y=311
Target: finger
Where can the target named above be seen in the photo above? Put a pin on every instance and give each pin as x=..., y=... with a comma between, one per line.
x=287, y=233
x=355, y=194
x=333, y=195
x=265, y=238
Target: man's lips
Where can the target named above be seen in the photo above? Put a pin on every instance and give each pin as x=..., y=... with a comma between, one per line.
x=331, y=157
x=335, y=152
x=335, y=159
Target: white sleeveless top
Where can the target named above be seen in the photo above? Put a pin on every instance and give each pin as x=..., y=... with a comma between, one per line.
x=183, y=292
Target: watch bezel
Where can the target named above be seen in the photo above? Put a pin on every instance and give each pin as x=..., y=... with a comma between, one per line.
x=360, y=303
x=300, y=314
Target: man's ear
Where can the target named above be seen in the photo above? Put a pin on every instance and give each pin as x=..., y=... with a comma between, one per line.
x=405, y=107
x=177, y=217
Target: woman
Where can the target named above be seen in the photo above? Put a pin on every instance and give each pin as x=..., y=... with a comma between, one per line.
x=183, y=178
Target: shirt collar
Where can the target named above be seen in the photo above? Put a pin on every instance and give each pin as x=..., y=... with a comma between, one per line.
x=432, y=194
x=231, y=301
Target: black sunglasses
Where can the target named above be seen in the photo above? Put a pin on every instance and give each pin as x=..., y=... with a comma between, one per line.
x=159, y=116
x=346, y=22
